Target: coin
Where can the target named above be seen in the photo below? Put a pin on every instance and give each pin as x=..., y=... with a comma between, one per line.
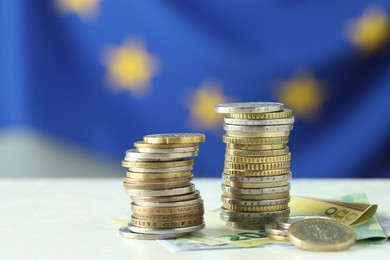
x=240, y=225
x=166, y=224
x=170, y=217
x=154, y=165
x=168, y=204
x=243, y=134
x=255, y=143
x=160, y=170
x=157, y=175
x=126, y=233
x=257, y=129
x=321, y=235
x=238, y=214
x=255, y=208
x=255, y=173
x=256, y=166
x=166, y=231
x=272, y=196
x=134, y=153
x=157, y=193
x=174, y=138
x=189, y=196
x=252, y=203
x=158, y=181
x=248, y=107
x=167, y=210
x=282, y=121
x=284, y=177
x=255, y=185
x=278, y=238
x=142, y=144
x=256, y=153
x=155, y=186
x=293, y=219
x=255, y=191
x=286, y=113
x=273, y=229
x=259, y=159
x=187, y=149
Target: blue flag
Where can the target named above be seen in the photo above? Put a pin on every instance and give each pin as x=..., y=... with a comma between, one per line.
x=102, y=74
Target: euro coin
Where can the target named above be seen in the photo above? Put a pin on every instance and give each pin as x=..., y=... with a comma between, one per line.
x=286, y=113
x=126, y=233
x=321, y=235
x=282, y=121
x=174, y=138
x=248, y=107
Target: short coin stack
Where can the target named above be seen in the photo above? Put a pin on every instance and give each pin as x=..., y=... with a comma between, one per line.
x=165, y=202
x=256, y=175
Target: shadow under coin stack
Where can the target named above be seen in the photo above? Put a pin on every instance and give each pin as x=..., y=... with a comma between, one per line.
x=165, y=202
x=256, y=188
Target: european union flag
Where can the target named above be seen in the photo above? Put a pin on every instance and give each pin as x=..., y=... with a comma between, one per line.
x=102, y=74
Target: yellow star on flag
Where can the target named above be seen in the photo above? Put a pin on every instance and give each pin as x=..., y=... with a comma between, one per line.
x=130, y=67
x=85, y=9
x=201, y=106
x=371, y=31
x=303, y=94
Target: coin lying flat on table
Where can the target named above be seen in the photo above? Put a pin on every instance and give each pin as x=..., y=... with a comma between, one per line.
x=248, y=107
x=273, y=229
x=293, y=219
x=174, y=138
x=126, y=233
x=321, y=235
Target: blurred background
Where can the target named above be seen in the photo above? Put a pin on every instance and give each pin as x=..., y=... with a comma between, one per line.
x=81, y=80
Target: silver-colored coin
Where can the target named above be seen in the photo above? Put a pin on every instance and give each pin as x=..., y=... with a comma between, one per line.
x=130, y=159
x=126, y=233
x=254, y=203
x=254, y=215
x=189, y=196
x=273, y=229
x=293, y=219
x=159, y=193
x=188, y=149
x=283, y=121
x=248, y=107
x=247, y=226
x=168, y=204
x=284, y=177
x=156, y=170
x=158, y=231
x=255, y=191
x=134, y=153
x=258, y=129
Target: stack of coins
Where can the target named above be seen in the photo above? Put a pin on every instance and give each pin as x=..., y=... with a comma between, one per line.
x=165, y=202
x=256, y=175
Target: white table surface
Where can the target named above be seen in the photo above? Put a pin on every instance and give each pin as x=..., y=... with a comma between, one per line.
x=71, y=219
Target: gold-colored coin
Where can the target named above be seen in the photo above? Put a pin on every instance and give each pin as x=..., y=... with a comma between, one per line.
x=157, y=175
x=278, y=238
x=158, y=181
x=255, y=184
x=258, y=134
x=166, y=223
x=286, y=113
x=321, y=235
x=279, y=195
x=155, y=186
x=142, y=144
x=263, y=159
x=154, y=165
x=169, y=217
x=167, y=210
x=254, y=208
x=177, y=138
x=256, y=173
x=258, y=143
x=255, y=166
x=190, y=196
x=257, y=150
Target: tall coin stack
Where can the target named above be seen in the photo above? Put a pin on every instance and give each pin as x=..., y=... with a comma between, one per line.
x=256, y=175
x=165, y=202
